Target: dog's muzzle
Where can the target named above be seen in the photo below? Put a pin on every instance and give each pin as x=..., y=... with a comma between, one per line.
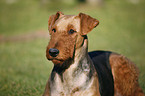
x=53, y=52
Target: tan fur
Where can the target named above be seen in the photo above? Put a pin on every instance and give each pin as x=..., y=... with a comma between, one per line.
x=47, y=92
x=87, y=23
x=64, y=41
x=74, y=47
x=125, y=75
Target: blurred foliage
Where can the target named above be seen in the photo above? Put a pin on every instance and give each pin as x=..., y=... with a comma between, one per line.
x=17, y=16
x=21, y=16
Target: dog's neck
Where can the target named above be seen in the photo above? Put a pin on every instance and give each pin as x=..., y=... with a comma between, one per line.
x=81, y=60
x=79, y=74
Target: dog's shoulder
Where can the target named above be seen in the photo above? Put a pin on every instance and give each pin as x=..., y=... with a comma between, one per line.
x=101, y=63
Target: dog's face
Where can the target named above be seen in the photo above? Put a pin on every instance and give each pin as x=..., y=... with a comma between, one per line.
x=66, y=35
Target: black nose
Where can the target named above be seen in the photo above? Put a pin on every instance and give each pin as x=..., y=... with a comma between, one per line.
x=53, y=52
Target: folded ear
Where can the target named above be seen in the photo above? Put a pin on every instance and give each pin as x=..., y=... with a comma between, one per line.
x=52, y=19
x=87, y=23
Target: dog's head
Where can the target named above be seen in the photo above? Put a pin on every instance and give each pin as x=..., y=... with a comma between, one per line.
x=67, y=33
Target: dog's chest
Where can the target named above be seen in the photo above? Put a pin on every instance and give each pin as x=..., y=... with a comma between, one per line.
x=68, y=85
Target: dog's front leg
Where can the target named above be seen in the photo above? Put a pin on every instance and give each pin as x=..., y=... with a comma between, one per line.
x=47, y=90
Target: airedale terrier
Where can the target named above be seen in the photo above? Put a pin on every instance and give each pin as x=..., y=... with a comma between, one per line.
x=78, y=72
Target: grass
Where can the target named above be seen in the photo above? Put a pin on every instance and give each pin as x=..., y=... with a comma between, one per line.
x=24, y=68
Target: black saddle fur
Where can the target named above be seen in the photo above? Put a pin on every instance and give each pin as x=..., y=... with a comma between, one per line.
x=101, y=63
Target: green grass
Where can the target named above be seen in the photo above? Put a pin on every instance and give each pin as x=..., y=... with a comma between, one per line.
x=22, y=16
x=24, y=68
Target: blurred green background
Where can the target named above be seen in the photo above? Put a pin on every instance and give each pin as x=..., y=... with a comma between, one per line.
x=24, y=69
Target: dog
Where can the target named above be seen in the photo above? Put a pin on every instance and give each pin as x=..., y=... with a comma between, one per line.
x=76, y=71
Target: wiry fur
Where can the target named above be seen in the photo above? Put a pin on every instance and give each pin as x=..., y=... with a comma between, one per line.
x=125, y=75
x=74, y=73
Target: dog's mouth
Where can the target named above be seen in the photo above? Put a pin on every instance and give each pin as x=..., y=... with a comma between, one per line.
x=51, y=59
x=56, y=60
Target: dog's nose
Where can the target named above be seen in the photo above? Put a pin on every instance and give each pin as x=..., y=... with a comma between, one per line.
x=53, y=52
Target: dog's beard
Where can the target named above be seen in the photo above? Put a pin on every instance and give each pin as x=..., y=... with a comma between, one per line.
x=61, y=66
x=57, y=61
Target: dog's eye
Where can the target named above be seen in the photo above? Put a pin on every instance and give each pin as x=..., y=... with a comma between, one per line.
x=71, y=31
x=54, y=30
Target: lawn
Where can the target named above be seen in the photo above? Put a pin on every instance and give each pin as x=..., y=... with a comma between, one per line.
x=24, y=68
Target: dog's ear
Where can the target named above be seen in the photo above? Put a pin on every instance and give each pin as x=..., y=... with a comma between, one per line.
x=53, y=18
x=87, y=23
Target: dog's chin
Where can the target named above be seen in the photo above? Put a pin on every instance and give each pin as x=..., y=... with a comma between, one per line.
x=57, y=61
